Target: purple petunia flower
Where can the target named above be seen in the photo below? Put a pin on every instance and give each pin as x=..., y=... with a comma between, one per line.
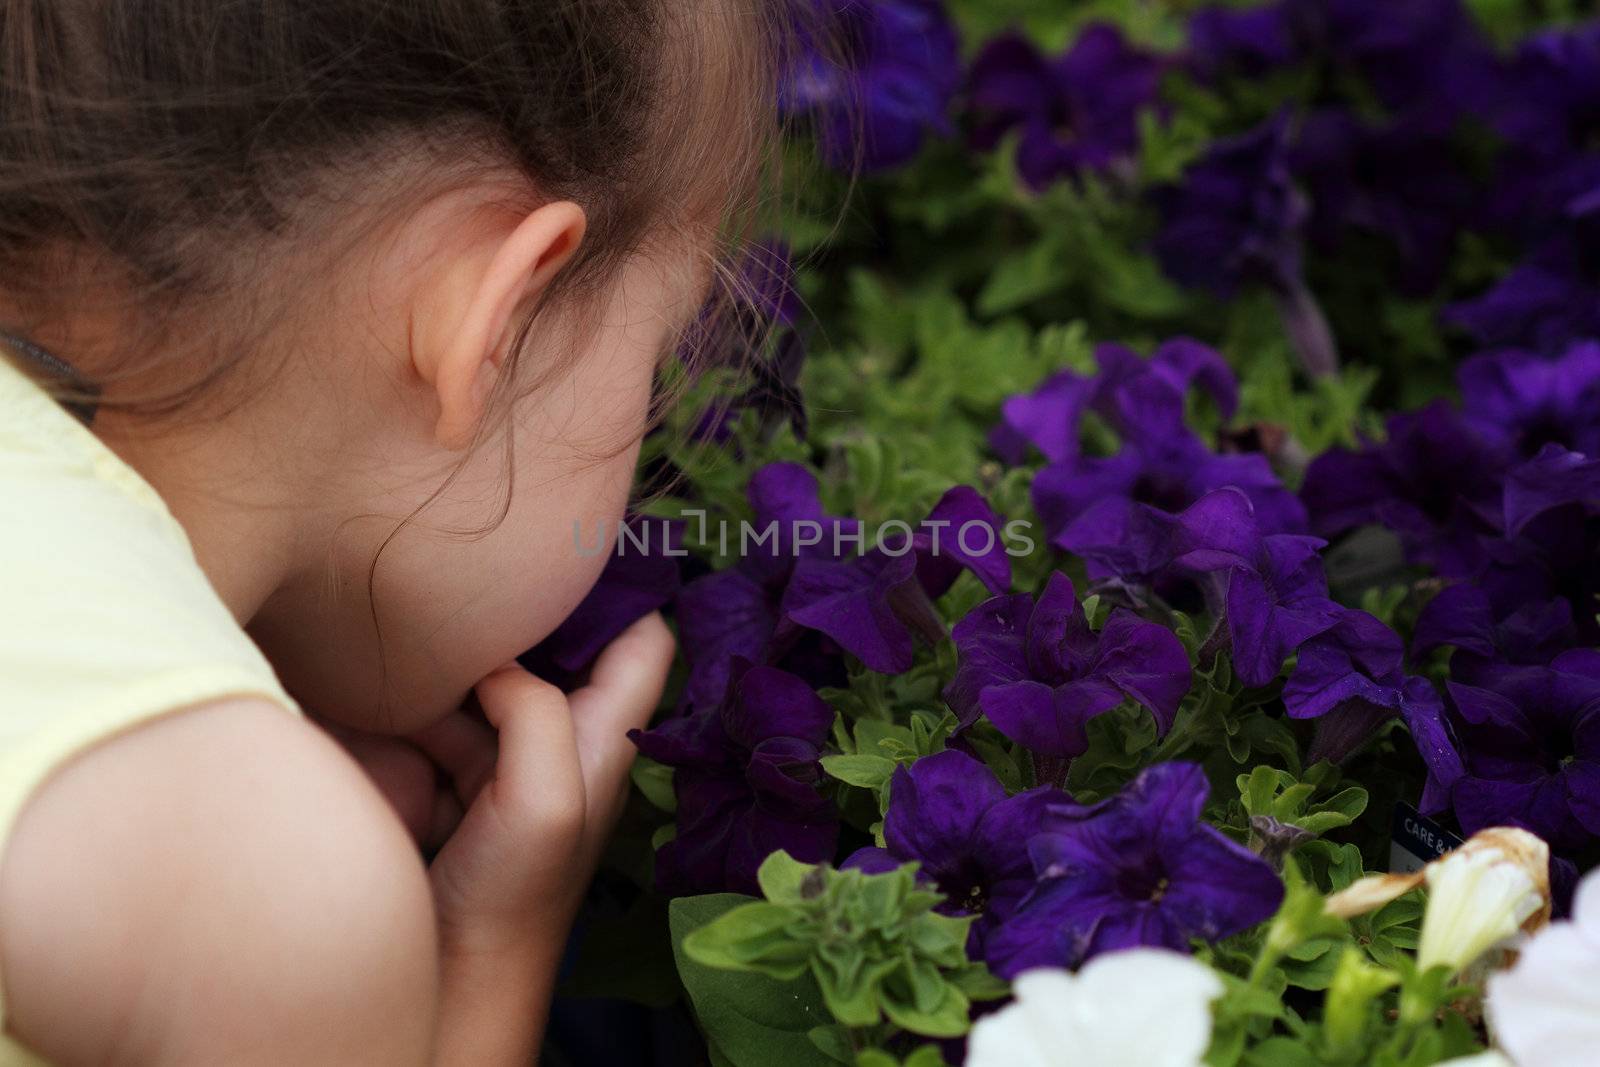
x=1530, y=742
x=635, y=582
x=1049, y=418
x=1350, y=680
x=1245, y=41
x=1421, y=55
x=897, y=68
x=1521, y=402
x=1077, y=112
x=1276, y=593
x=734, y=612
x=1552, y=96
x=1398, y=182
x=1236, y=219
x=950, y=814
x=871, y=605
x=747, y=778
x=1434, y=482
x=1548, y=301
x=1040, y=674
x=1237, y=215
x=1465, y=616
x=1161, y=464
x=1140, y=868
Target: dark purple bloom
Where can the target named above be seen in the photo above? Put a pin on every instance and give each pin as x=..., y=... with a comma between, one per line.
x=1162, y=464
x=1236, y=219
x=1350, y=679
x=1522, y=402
x=1421, y=55
x=1049, y=418
x=1400, y=183
x=1530, y=738
x=636, y=581
x=950, y=814
x=1276, y=600
x=1246, y=41
x=1434, y=482
x=1464, y=616
x=892, y=85
x=1076, y=112
x=734, y=612
x=873, y=603
x=1549, y=300
x=1237, y=215
x=747, y=778
x=1552, y=479
x=1549, y=106
x=1040, y=674
x=1140, y=868
x=1429, y=725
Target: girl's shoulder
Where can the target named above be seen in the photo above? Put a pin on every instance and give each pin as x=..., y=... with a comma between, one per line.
x=106, y=619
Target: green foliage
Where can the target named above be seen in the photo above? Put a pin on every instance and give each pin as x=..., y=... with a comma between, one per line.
x=871, y=944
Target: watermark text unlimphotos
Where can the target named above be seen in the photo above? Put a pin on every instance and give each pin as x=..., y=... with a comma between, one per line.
x=792, y=536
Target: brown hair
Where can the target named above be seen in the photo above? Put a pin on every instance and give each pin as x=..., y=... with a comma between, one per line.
x=178, y=147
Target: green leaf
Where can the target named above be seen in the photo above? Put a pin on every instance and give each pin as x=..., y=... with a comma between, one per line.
x=865, y=771
x=749, y=1020
x=654, y=780
x=784, y=879
x=751, y=937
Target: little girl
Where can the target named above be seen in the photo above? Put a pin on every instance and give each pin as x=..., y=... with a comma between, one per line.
x=322, y=323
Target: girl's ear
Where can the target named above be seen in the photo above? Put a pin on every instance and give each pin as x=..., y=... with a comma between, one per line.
x=462, y=362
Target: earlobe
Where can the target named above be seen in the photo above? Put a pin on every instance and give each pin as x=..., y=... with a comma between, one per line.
x=465, y=362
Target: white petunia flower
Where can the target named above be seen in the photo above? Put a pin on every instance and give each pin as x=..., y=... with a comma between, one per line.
x=1142, y=1007
x=1487, y=1058
x=1545, y=1011
x=1478, y=899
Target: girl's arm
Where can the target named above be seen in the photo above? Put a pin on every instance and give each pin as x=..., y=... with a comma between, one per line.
x=225, y=885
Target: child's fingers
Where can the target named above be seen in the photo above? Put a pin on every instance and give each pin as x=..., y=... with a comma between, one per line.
x=537, y=773
x=623, y=691
x=464, y=748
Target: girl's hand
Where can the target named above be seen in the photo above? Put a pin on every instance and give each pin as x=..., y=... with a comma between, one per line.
x=508, y=881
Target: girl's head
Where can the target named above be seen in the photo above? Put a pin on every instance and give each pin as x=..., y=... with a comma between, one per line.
x=375, y=292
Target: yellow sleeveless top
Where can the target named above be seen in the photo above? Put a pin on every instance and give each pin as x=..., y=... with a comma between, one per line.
x=106, y=620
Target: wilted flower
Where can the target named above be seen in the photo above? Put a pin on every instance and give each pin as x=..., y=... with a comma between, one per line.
x=1040, y=674
x=1500, y=871
x=1076, y=112
x=1545, y=1010
x=881, y=82
x=1479, y=898
x=1142, y=1007
x=1139, y=868
x=747, y=781
x=948, y=812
